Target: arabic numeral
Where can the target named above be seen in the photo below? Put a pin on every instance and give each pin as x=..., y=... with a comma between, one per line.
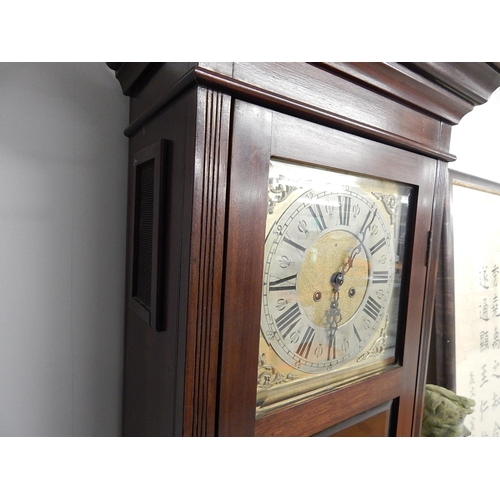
x=282, y=303
x=355, y=211
x=284, y=262
x=294, y=337
x=303, y=227
x=329, y=209
x=278, y=230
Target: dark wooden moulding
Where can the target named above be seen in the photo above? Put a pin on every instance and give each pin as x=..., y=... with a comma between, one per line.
x=180, y=375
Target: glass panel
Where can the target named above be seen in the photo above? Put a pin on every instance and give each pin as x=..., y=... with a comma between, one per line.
x=333, y=266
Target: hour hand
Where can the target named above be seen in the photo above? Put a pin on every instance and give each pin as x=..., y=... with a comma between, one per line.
x=350, y=260
x=333, y=317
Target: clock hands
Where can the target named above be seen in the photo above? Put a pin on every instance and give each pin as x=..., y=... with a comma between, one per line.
x=334, y=315
x=338, y=278
x=357, y=249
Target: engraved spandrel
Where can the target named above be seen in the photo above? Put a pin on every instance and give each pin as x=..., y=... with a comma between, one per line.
x=390, y=202
x=278, y=192
x=378, y=347
x=268, y=375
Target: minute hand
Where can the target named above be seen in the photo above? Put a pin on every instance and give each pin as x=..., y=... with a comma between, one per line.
x=357, y=249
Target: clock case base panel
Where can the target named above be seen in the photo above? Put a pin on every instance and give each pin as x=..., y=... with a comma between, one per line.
x=175, y=379
x=377, y=422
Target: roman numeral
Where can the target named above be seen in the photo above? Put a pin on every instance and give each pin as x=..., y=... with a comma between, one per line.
x=356, y=333
x=370, y=217
x=295, y=245
x=380, y=277
x=372, y=308
x=375, y=248
x=287, y=321
x=306, y=342
x=318, y=217
x=289, y=283
x=344, y=210
x=331, y=347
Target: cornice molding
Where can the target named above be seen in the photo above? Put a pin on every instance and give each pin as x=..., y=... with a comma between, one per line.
x=473, y=81
x=443, y=91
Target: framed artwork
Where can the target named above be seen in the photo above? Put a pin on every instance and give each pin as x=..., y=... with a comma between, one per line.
x=467, y=320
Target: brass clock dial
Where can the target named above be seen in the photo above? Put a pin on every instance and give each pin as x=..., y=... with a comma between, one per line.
x=328, y=279
x=331, y=266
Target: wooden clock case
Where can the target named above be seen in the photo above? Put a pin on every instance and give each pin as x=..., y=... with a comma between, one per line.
x=200, y=139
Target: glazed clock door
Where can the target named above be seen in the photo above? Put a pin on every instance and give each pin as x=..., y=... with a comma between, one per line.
x=333, y=260
x=324, y=281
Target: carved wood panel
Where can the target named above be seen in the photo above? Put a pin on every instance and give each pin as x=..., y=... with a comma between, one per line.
x=207, y=246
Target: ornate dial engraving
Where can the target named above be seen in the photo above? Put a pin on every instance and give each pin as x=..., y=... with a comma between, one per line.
x=379, y=346
x=333, y=266
x=320, y=235
x=390, y=202
x=269, y=375
x=278, y=192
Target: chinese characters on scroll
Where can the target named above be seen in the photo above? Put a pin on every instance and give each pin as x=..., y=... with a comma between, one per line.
x=476, y=232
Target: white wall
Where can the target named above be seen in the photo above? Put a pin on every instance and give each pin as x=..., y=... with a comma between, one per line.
x=474, y=141
x=63, y=161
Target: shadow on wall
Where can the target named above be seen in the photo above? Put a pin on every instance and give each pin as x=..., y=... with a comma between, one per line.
x=63, y=162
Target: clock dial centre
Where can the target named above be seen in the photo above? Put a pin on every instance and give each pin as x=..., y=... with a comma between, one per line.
x=323, y=264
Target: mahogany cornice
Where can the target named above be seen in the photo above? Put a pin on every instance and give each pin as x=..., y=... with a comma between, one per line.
x=404, y=85
x=314, y=114
x=474, y=81
x=132, y=75
x=448, y=90
x=444, y=91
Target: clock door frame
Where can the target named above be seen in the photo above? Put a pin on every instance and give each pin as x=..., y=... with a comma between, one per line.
x=260, y=134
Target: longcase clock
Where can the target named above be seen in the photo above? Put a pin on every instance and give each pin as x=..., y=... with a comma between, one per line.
x=284, y=221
